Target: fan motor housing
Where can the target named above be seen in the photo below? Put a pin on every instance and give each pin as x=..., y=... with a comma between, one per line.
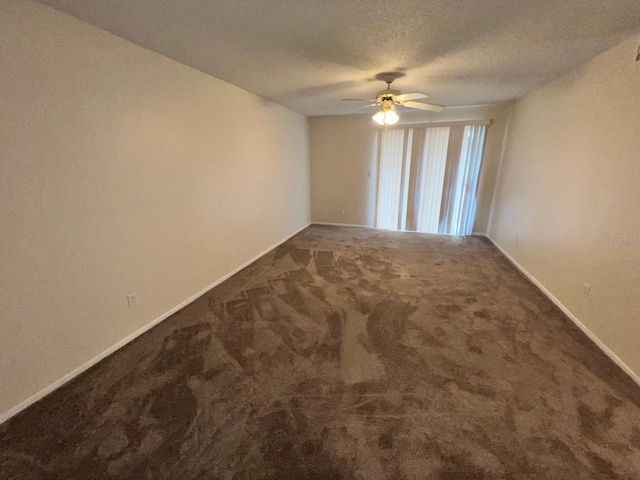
x=387, y=94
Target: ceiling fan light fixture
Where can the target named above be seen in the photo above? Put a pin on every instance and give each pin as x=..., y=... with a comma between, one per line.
x=379, y=117
x=386, y=116
x=391, y=117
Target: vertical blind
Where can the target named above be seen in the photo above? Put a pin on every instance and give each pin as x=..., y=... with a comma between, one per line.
x=428, y=178
x=429, y=185
x=392, y=152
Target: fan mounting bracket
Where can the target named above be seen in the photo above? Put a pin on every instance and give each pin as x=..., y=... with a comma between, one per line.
x=389, y=77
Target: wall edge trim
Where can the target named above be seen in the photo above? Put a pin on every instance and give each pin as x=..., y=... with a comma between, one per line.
x=340, y=224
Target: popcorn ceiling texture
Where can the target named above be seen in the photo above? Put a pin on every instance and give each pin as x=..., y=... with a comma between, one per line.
x=346, y=353
x=309, y=55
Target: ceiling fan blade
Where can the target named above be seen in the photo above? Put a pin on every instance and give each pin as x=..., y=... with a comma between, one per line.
x=361, y=108
x=423, y=106
x=410, y=96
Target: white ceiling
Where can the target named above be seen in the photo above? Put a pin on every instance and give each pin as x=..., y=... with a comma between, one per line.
x=307, y=55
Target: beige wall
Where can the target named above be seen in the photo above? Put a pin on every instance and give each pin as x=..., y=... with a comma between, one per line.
x=123, y=171
x=343, y=152
x=570, y=179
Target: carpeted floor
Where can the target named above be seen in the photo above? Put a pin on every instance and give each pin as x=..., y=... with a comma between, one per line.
x=346, y=353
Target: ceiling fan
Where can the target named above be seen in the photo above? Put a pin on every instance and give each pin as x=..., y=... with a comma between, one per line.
x=390, y=98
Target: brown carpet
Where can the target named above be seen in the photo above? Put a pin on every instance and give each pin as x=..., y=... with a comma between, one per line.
x=346, y=353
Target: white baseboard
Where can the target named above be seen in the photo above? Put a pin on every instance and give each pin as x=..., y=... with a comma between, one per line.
x=341, y=224
x=473, y=234
x=634, y=376
x=71, y=375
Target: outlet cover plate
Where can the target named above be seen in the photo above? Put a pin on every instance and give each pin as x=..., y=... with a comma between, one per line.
x=132, y=299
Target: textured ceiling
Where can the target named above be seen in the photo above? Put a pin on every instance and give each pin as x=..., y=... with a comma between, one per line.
x=307, y=55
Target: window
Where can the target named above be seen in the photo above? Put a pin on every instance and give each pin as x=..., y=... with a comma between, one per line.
x=428, y=178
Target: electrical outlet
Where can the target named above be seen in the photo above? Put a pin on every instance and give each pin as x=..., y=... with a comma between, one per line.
x=586, y=288
x=342, y=211
x=132, y=299
x=516, y=237
x=284, y=222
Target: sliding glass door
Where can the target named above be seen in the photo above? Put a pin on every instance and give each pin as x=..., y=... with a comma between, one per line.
x=428, y=178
